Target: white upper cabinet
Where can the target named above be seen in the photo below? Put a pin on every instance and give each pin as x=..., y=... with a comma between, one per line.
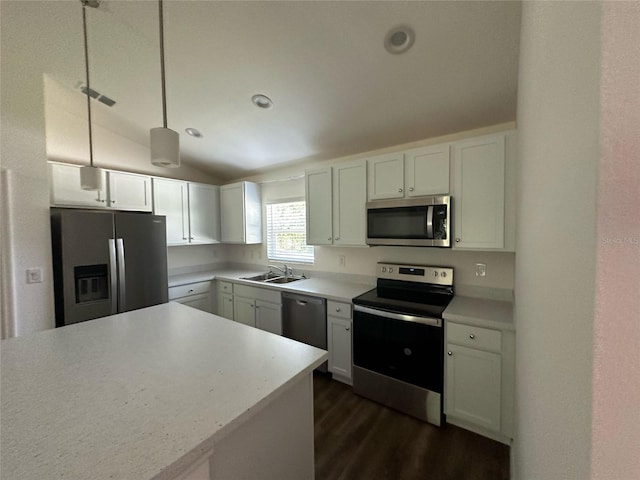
x=241, y=213
x=413, y=173
x=128, y=191
x=192, y=211
x=66, y=191
x=386, y=176
x=204, y=213
x=336, y=200
x=318, y=195
x=479, y=193
x=121, y=191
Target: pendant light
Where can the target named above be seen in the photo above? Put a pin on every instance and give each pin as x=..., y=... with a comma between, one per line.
x=164, y=142
x=90, y=176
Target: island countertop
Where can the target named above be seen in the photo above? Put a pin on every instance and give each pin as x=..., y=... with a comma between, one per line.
x=138, y=395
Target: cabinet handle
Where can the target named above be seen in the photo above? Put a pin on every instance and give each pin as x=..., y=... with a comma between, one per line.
x=457, y=240
x=329, y=238
x=337, y=238
x=472, y=336
x=399, y=190
x=190, y=291
x=450, y=353
x=190, y=238
x=411, y=189
x=347, y=328
x=338, y=310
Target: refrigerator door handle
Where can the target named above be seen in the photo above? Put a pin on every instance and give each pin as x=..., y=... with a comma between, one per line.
x=121, y=275
x=113, y=274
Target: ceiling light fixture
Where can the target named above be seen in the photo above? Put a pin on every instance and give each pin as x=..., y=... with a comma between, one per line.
x=194, y=132
x=262, y=101
x=164, y=142
x=90, y=176
x=399, y=40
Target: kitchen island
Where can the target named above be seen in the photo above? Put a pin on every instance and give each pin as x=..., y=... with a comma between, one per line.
x=164, y=392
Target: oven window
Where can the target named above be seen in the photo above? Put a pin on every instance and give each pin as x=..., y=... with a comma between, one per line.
x=401, y=222
x=407, y=351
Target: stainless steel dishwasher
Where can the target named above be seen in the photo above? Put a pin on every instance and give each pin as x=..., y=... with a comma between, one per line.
x=304, y=319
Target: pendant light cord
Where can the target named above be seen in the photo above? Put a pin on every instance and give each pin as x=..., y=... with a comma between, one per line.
x=162, y=74
x=86, y=63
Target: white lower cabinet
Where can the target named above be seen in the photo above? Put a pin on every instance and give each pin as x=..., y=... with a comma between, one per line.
x=253, y=306
x=196, y=295
x=478, y=391
x=339, y=340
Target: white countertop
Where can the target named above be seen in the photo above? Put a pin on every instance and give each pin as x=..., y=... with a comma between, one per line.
x=329, y=288
x=139, y=395
x=481, y=312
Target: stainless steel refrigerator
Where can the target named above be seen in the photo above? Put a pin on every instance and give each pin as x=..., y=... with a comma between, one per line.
x=106, y=263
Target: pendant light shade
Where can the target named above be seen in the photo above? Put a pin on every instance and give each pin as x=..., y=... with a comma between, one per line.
x=90, y=176
x=164, y=142
x=165, y=147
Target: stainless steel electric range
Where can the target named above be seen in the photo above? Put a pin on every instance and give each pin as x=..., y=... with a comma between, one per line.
x=398, y=339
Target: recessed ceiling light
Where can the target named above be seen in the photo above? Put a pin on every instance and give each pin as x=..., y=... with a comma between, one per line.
x=399, y=40
x=194, y=132
x=262, y=101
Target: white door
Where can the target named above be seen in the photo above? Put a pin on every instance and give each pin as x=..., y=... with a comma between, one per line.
x=244, y=310
x=349, y=203
x=339, y=345
x=232, y=213
x=128, y=191
x=66, y=191
x=427, y=171
x=269, y=317
x=319, y=207
x=473, y=382
x=204, y=213
x=386, y=176
x=226, y=306
x=170, y=200
x=478, y=204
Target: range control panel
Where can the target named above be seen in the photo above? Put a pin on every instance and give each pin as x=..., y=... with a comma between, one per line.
x=416, y=273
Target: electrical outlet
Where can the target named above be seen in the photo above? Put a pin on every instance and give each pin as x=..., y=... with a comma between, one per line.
x=342, y=261
x=34, y=275
x=481, y=269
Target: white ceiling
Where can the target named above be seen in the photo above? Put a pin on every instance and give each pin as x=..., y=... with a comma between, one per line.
x=336, y=91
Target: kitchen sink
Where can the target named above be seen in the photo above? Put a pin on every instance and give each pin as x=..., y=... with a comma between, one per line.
x=270, y=277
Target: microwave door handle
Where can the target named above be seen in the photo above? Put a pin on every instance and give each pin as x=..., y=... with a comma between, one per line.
x=430, y=221
x=113, y=274
x=121, y=276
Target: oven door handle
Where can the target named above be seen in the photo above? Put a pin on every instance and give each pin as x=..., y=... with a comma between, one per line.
x=434, y=322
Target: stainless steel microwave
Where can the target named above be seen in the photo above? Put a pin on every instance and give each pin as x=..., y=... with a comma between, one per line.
x=418, y=222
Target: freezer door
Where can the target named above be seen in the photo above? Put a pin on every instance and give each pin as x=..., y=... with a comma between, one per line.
x=141, y=245
x=84, y=268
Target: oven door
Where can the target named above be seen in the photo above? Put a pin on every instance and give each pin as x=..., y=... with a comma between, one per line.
x=415, y=222
x=404, y=347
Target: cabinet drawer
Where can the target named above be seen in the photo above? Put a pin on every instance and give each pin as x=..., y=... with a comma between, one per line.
x=338, y=309
x=264, y=294
x=225, y=287
x=189, y=289
x=475, y=337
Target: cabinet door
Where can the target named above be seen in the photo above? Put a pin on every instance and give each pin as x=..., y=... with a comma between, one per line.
x=128, y=191
x=339, y=345
x=478, y=205
x=473, y=382
x=244, y=310
x=66, y=191
x=269, y=317
x=204, y=213
x=349, y=203
x=319, y=207
x=170, y=200
x=232, y=213
x=225, y=308
x=386, y=176
x=427, y=171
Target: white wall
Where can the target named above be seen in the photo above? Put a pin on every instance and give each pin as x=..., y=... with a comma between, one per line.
x=558, y=124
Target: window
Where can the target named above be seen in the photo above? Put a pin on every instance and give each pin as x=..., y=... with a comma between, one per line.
x=286, y=233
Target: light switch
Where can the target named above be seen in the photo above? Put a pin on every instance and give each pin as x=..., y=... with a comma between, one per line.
x=34, y=275
x=481, y=269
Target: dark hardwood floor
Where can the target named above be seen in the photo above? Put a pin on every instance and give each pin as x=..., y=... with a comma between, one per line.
x=359, y=439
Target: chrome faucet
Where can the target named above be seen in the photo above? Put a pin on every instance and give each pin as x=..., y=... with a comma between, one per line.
x=286, y=271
